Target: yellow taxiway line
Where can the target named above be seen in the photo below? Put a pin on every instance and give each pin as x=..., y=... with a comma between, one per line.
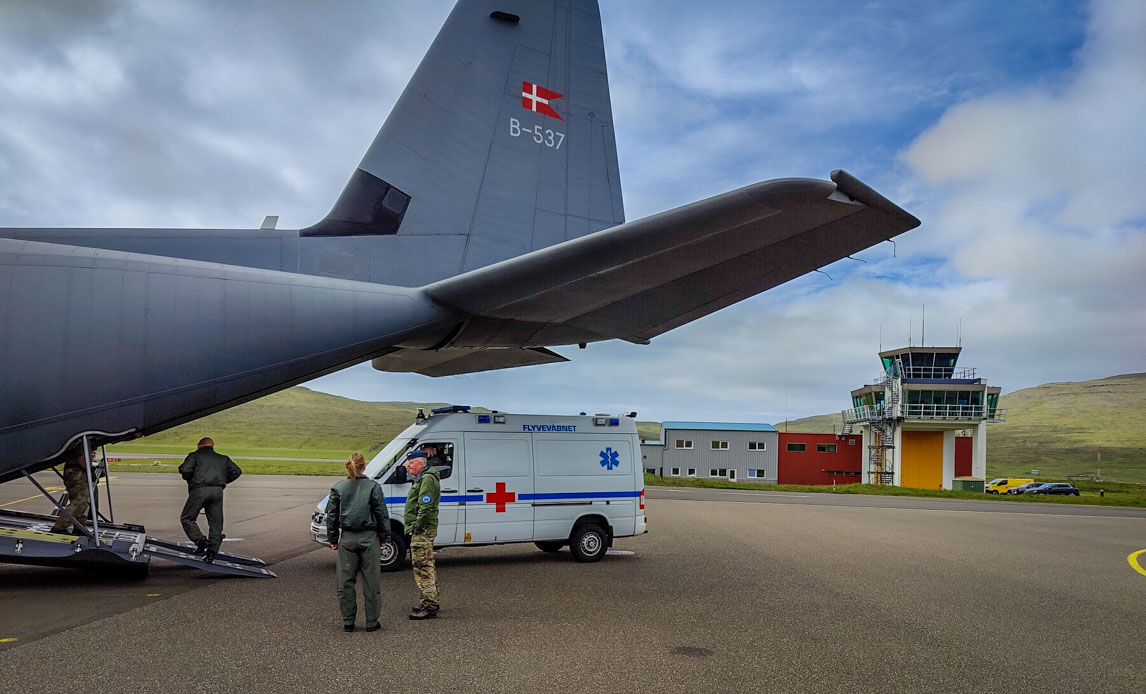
x=28, y=498
x=1133, y=559
x=50, y=489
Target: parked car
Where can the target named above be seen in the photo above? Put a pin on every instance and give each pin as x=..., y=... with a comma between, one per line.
x=1002, y=484
x=1060, y=488
x=1022, y=488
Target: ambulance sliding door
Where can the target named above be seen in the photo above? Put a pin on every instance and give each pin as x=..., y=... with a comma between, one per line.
x=498, y=471
x=585, y=473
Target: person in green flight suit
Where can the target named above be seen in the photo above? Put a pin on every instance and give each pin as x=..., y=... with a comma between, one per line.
x=207, y=474
x=357, y=525
x=422, y=525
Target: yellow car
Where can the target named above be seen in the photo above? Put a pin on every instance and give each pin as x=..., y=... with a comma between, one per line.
x=1002, y=484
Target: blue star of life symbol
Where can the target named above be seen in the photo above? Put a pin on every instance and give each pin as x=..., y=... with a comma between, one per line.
x=610, y=458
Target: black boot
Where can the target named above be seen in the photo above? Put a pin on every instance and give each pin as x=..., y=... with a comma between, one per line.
x=200, y=547
x=209, y=556
x=425, y=613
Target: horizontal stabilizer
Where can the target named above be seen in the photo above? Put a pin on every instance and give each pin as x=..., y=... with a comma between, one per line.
x=640, y=279
x=455, y=361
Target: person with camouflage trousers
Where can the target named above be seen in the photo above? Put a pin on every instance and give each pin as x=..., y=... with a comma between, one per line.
x=422, y=525
x=79, y=499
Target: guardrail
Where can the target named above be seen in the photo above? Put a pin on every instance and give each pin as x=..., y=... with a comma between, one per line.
x=967, y=373
x=858, y=415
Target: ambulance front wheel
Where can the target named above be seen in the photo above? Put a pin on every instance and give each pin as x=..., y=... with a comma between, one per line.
x=588, y=543
x=394, y=552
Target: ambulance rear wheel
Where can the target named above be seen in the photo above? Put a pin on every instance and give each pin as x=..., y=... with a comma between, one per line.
x=550, y=546
x=394, y=552
x=588, y=543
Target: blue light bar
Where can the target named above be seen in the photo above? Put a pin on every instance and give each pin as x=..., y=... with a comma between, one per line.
x=450, y=409
x=483, y=419
x=614, y=422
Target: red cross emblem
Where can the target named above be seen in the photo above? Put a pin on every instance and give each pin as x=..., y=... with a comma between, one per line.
x=500, y=497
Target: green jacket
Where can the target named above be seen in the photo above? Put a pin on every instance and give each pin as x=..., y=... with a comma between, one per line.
x=206, y=468
x=356, y=504
x=422, y=502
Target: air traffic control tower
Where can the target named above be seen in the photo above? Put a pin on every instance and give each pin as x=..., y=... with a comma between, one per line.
x=910, y=417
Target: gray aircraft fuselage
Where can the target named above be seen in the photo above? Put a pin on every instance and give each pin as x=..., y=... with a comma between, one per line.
x=122, y=344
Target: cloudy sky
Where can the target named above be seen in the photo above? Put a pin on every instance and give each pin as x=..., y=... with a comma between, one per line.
x=1013, y=130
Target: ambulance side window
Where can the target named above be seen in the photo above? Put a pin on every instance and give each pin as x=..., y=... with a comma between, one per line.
x=443, y=460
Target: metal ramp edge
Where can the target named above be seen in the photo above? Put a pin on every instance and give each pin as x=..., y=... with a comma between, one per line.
x=188, y=548
x=219, y=566
x=26, y=538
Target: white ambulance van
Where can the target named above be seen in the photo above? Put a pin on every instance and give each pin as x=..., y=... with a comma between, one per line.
x=550, y=480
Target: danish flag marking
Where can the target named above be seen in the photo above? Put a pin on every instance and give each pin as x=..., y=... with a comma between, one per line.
x=536, y=98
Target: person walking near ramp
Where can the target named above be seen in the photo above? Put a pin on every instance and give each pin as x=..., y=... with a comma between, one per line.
x=422, y=524
x=79, y=502
x=207, y=474
x=357, y=525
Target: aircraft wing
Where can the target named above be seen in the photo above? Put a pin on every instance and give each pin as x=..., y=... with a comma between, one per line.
x=452, y=362
x=640, y=279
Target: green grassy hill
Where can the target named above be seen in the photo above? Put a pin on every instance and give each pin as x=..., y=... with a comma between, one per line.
x=299, y=423
x=1058, y=429
x=1055, y=428
x=816, y=424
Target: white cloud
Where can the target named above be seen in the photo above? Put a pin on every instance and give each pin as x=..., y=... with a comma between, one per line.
x=1038, y=188
x=1077, y=146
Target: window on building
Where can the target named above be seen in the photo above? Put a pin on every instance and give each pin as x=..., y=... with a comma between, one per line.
x=851, y=442
x=757, y=445
x=683, y=443
x=761, y=473
x=797, y=447
x=692, y=472
x=825, y=448
x=712, y=472
x=676, y=472
x=751, y=472
x=723, y=472
x=650, y=471
x=731, y=474
x=720, y=445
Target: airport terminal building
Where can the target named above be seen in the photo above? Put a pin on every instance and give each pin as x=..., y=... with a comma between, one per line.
x=751, y=452
x=728, y=450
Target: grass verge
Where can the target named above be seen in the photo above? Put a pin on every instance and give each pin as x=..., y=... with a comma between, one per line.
x=250, y=467
x=1115, y=493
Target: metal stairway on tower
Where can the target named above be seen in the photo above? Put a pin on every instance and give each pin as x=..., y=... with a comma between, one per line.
x=881, y=449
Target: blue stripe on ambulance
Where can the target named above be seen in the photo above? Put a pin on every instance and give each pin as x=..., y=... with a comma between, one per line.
x=456, y=498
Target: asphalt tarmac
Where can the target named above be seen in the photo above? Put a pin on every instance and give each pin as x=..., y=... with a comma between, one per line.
x=730, y=591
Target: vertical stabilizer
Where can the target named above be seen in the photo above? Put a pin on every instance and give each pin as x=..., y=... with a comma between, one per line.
x=502, y=143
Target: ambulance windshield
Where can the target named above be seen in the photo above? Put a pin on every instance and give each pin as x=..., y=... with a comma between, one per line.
x=393, y=451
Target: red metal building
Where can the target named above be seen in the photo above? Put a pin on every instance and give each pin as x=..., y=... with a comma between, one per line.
x=819, y=458
x=962, y=456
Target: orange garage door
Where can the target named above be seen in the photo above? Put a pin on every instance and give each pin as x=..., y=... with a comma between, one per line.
x=922, y=459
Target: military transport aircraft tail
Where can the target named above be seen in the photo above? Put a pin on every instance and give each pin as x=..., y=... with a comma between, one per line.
x=483, y=227
x=501, y=144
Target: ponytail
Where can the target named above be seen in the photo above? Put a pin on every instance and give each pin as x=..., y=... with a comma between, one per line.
x=355, y=465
